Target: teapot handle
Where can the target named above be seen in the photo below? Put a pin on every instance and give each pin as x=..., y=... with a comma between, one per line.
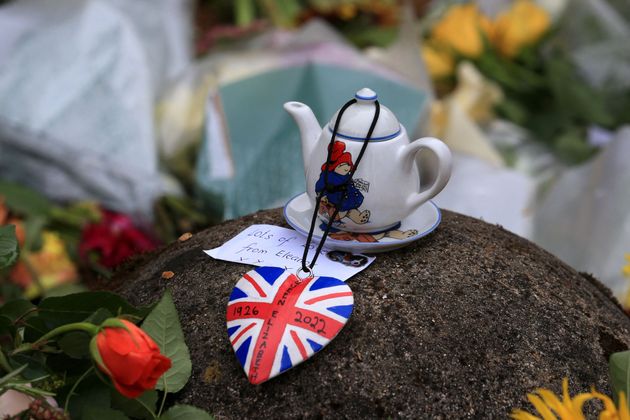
x=445, y=161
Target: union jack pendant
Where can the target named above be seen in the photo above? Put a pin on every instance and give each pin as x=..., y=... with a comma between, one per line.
x=275, y=320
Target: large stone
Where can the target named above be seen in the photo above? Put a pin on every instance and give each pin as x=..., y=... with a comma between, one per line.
x=461, y=324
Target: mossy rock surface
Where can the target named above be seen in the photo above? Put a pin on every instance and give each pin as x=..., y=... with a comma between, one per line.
x=461, y=324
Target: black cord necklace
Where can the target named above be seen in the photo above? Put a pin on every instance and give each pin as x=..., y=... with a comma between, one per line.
x=328, y=188
x=277, y=319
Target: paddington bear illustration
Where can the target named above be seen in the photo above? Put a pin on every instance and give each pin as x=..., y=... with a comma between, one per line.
x=340, y=194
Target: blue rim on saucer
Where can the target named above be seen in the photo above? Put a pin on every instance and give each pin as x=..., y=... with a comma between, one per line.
x=384, y=244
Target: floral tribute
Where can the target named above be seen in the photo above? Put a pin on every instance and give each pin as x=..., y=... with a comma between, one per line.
x=113, y=239
x=89, y=355
x=130, y=358
x=521, y=54
x=549, y=406
x=61, y=245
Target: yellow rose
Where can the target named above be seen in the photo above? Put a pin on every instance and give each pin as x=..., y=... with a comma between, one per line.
x=521, y=25
x=462, y=29
x=439, y=62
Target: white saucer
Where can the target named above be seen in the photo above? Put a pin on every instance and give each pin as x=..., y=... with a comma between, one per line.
x=298, y=213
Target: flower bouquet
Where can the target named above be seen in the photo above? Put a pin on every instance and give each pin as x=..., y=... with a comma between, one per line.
x=89, y=355
x=523, y=54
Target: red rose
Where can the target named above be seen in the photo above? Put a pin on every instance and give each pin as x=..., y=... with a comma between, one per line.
x=131, y=359
x=115, y=239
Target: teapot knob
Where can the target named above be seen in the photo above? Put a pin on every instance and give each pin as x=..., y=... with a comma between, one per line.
x=365, y=95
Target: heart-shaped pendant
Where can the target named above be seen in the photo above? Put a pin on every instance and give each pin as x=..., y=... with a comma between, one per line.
x=275, y=320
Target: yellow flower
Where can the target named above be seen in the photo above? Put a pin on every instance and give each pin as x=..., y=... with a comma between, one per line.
x=547, y=403
x=461, y=29
x=439, y=62
x=626, y=269
x=611, y=412
x=51, y=265
x=521, y=25
x=550, y=407
x=347, y=11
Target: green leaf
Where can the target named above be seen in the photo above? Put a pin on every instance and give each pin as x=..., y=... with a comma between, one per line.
x=162, y=324
x=132, y=407
x=513, y=111
x=619, y=367
x=7, y=329
x=99, y=316
x=16, y=309
x=185, y=412
x=24, y=200
x=6, y=378
x=572, y=146
x=35, y=328
x=510, y=75
x=36, y=364
x=91, y=394
x=99, y=413
x=372, y=36
x=10, y=291
x=574, y=96
x=65, y=289
x=281, y=12
x=244, y=12
x=75, y=216
x=9, y=250
x=75, y=344
x=33, y=227
x=56, y=311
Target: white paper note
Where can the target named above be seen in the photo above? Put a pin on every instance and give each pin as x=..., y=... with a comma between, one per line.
x=274, y=246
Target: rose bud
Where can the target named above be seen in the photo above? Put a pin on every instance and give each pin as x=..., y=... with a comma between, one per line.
x=129, y=357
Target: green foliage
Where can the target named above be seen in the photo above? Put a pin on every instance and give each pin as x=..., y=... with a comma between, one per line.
x=162, y=324
x=91, y=394
x=98, y=413
x=185, y=412
x=33, y=227
x=56, y=311
x=282, y=13
x=17, y=309
x=37, y=213
x=371, y=36
x=545, y=94
x=6, y=379
x=25, y=201
x=14, y=381
x=244, y=12
x=136, y=408
x=65, y=289
x=9, y=251
x=571, y=146
x=7, y=329
x=48, y=346
x=75, y=344
x=35, y=365
x=619, y=368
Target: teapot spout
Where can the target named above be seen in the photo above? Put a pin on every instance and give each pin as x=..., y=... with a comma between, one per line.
x=308, y=125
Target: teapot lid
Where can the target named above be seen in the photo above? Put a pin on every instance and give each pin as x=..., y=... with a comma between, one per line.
x=357, y=118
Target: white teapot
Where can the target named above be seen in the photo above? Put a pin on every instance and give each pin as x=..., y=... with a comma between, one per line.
x=385, y=188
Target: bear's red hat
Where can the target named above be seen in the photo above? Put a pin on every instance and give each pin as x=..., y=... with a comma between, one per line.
x=337, y=157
